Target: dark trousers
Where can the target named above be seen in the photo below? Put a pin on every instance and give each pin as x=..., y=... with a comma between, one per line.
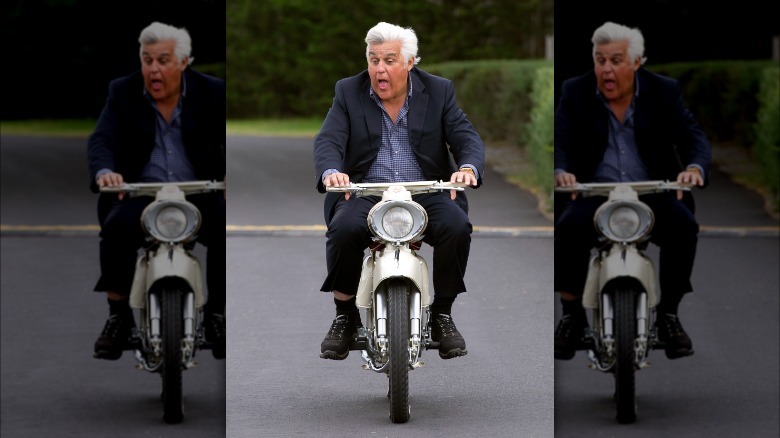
x=675, y=232
x=448, y=232
x=121, y=236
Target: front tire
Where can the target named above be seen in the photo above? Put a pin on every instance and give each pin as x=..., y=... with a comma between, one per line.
x=398, y=318
x=172, y=334
x=625, y=368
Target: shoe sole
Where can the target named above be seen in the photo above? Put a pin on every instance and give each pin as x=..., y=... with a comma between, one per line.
x=564, y=355
x=678, y=354
x=453, y=353
x=106, y=355
x=333, y=355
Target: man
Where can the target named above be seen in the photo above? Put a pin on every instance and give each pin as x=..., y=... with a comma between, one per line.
x=393, y=123
x=622, y=123
x=164, y=123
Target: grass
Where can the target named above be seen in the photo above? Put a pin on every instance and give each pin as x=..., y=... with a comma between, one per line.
x=52, y=128
x=274, y=127
x=83, y=127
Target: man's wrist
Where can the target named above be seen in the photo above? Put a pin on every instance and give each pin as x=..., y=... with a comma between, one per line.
x=469, y=168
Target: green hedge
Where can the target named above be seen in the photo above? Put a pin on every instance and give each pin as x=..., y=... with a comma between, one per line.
x=495, y=95
x=722, y=95
x=540, y=130
x=766, y=148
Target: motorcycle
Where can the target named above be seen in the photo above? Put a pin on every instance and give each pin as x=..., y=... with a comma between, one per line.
x=167, y=288
x=621, y=288
x=394, y=288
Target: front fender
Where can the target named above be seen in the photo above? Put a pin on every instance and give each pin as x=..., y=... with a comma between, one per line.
x=393, y=262
x=164, y=264
x=620, y=264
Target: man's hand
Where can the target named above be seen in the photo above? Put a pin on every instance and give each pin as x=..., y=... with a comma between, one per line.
x=690, y=176
x=464, y=175
x=566, y=179
x=337, y=180
x=111, y=179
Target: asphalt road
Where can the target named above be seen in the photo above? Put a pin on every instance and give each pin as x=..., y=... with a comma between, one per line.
x=274, y=384
x=730, y=386
x=50, y=384
x=278, y=386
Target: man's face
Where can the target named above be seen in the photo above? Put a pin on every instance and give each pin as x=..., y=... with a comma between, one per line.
x=161, y=70
x=614, y=70
x=388, y=72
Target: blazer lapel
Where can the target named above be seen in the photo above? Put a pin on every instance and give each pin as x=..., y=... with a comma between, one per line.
x=418, y=106
x=373, y=117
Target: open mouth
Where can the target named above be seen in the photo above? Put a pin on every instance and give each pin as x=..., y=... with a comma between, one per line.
x=383, y=84
x=610, y=84
x=156, y=84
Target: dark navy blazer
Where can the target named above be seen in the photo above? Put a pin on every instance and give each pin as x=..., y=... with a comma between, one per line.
x=667, y=136
x=351, y=134
x=124, y=136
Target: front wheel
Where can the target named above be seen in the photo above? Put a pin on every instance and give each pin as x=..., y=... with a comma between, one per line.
x=398, y=318
x=172, y=334
x=625, y=336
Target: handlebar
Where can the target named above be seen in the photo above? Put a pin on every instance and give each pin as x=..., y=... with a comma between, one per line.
x=361, y=189
x=188, y=187
x=641, y=187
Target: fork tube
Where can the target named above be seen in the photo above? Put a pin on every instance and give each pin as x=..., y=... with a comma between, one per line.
x=641, y=316
x=154, y=314
x=607, y=314
x=381, y=313
x=414, y=314
x=189, y=314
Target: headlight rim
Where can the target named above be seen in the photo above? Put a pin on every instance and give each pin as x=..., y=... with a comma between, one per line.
x=643, y=211
x=377, y=212
x=191, y=213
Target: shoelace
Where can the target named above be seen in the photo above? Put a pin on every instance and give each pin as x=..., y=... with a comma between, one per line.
x=338, y=327
x=446, y=325
x=112, y=327
x=217, y=323
x=566, y=327
x=672, y=325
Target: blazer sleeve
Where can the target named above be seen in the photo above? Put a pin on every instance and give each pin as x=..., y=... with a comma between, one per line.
x=692, y=143
x=331, y=142
x=103, y=140
x=465, y=143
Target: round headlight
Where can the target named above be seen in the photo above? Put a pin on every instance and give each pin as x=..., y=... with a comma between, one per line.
x=397, y=221
x=624, y=221
x=171, y=221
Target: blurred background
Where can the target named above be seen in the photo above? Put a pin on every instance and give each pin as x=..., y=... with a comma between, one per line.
x=61, y=54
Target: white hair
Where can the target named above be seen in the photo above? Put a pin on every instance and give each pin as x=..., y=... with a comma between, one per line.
x=386, y=32
x=610, y=32
x=156, y=32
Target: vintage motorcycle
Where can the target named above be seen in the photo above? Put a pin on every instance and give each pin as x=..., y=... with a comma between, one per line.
x=394, y=286
x=168, y=288
x=621, y=286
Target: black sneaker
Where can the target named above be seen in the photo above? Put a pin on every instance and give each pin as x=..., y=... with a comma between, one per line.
x=443, y=331
x=114, y=338
x=671, y=333
x=342, y=332
x=568, y=336
x=214, y=328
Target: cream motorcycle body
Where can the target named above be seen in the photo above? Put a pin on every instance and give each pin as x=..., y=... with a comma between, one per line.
x=167, y=287
x=621, y=287
x=394, y=286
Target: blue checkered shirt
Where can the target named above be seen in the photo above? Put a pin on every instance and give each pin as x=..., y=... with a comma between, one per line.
x=396, y=161
x=168, y=162
x=622, y=162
